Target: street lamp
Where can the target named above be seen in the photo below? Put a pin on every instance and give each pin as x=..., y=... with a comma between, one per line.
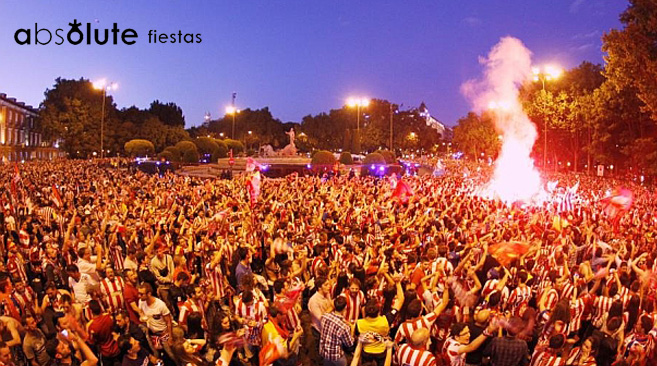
x=98, y=85
x=546, y=73
x=232, y=111
x=358, y=103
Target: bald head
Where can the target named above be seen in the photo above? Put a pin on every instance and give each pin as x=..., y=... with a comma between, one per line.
x=419, y=337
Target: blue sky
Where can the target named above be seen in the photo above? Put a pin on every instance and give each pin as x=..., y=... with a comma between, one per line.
x=297, y=57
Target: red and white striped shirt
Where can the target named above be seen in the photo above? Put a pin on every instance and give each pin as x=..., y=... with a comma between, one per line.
x=601, y=305
x=451, y=348
x=318, y=262
x=407, y=328
x=255, y=312
x=547, y=358
x=552, y=299
x=113, y=293
x=191, y=306
x=26, y=299
x=291, y=317
x=16, y=266
x=518, y=296
x=354, y=304
x=117, y=257
x=577, y=314
x=409, y=356
x=217, y=280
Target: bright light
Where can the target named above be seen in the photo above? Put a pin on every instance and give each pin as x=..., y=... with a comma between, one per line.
x=536, y=71
x=250, y=132
x=100, y=84
x=231, y=110
x=553, y=72
x=221, y=134
x=611, y=167
x=356, y=102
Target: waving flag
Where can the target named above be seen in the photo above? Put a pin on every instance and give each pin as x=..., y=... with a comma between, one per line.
x=56, y=198
x=618, y=202
x=506, y=252
x=250, y=165
x=403, y=191
x=253, y=186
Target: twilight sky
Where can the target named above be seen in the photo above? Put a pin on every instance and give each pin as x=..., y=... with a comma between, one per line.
x=298, y=57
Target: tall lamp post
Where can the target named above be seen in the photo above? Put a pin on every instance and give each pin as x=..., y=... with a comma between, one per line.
x=358, y=103
x=543, y=74
x=105, y=87
x=232, y=111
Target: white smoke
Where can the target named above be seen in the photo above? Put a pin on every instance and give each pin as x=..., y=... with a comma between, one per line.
x=508, y=66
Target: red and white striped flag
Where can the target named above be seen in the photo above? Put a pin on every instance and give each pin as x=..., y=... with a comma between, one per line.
x=56, y=198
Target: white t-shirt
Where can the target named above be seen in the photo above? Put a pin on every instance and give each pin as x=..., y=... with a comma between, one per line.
x=155, y=314
x=88, y=268
x=80, y=288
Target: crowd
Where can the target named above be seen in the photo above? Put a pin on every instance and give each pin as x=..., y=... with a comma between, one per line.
x=102, y=265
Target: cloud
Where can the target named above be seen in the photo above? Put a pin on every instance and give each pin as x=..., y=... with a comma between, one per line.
x=591, y=34
x=471, y=21
x=576, y=5
x=582, y=47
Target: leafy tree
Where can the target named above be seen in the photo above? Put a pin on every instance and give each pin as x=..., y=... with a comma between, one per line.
x=234, y=145
x=346, y=159
x=221, y=151
x=138, y=147
x=632, y=53
x=190, y=156
x=374, y=158
x=71, y=111
x=389, y=156
x=175, y=153
x=323, y=158
x=184, y=146
x=170, y=114
x=205, y=145
x=166, y=155
x=476, y=134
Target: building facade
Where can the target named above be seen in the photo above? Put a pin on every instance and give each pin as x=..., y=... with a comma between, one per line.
x=20, y=137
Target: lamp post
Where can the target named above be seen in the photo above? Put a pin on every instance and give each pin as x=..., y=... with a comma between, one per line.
x=358, y=103
x=104, y=86
x=546, y=73
x=232, y=111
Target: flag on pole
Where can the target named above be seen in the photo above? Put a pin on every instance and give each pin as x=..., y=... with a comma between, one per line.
x=253, y=186
x=56, y=198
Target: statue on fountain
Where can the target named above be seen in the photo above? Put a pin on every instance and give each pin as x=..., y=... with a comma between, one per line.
x=290, y=149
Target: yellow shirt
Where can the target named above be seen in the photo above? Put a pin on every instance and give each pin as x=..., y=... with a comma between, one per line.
x=378, y=325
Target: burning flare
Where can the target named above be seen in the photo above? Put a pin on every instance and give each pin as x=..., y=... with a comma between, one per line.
x=508, y=65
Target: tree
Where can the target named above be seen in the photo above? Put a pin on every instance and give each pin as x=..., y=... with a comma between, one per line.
x=323, y=158
x=346, y=159
x=71, y=111
x=632, y=53
x=174, y=153
x=476, y=134
x=184, y=146
x=374, y=158
x=138, y=147
x=205, y=145
x=190, y=156
x=170, y=114
x=234, y=145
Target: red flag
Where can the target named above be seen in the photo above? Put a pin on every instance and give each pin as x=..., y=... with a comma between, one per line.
x=253, y=186
x=402, y=191
x=506, y=252
x=56, y=198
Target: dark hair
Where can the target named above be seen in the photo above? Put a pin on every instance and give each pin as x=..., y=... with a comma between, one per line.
x=279, y=285
x=72, y=268
x=95, y=308
x=124, y=343
x=194, y=325
x=613, y=324
x=456, y=329
x=182, y=276
x=340, y=303
x=372, y=308
x=243, y=253
x=51, y=347
x=319, y=282
x=414, y=308
x=247, y=296
x=557, y=341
